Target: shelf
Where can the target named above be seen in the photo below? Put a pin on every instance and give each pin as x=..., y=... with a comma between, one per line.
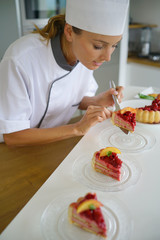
x=144, y=61
x=141, y=25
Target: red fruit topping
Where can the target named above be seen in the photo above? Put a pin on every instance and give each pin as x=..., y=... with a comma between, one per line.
x=112, y=159
x=129, y=116
x=155, y=106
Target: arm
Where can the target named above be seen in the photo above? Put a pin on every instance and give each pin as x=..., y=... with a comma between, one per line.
x=37, y=136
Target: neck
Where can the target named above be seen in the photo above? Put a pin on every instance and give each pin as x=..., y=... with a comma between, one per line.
x=67, y=51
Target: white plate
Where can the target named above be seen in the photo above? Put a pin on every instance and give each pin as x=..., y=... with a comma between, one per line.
x=136, y=103
x=83, y=172
x=55, y=225
x=138, y=141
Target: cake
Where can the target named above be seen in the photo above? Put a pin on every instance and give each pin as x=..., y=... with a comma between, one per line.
x=125, y=118
x=106, y=161
x=87, y=214
x=149, y=113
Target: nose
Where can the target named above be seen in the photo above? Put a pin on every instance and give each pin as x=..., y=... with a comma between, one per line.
x=106, y=56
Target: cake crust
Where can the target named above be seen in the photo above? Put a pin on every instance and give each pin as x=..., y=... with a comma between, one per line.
x=149, y=114
x=146, y=116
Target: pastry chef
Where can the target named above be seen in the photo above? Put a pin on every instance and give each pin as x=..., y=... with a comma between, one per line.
x=47, y=75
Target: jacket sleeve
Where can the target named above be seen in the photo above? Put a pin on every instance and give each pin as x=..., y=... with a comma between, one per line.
x=15, y=106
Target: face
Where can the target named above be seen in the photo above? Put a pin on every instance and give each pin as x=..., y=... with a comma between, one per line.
x=92, y=49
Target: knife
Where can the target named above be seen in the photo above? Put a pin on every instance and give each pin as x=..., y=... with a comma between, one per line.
x=117, y=106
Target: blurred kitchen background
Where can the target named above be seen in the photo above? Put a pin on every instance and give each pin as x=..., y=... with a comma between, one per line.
x=135, y=62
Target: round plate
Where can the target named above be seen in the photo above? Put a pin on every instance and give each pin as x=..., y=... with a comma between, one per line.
x=84, y=173
x=55, y=225
x=135, y=142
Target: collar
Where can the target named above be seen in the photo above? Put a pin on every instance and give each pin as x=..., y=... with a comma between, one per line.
x=58, y=54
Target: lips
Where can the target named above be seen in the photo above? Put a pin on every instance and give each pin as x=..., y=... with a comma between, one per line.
x=97, y=63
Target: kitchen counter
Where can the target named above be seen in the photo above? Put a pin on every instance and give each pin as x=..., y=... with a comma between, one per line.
x=144, y=61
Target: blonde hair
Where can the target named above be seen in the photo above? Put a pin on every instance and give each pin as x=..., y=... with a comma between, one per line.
x=54, y=26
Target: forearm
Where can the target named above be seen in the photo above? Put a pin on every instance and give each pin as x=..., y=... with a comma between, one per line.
x=37, y=136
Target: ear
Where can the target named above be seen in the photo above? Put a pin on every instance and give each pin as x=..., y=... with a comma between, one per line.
x=68, y=32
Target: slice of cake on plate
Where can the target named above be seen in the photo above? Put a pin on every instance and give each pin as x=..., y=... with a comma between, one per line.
x=149, y=113
x=87, y=214
x=125, y=118
x=106, y=161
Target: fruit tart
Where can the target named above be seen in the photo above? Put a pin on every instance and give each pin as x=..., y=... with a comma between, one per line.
x=149, y=113
x=87, y=214
x=125, y=118
x=106, y=161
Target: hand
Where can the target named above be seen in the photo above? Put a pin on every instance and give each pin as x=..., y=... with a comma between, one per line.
x=105, y=98
x=93, y=115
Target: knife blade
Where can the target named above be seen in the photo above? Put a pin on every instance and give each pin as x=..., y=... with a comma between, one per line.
x=117, y=105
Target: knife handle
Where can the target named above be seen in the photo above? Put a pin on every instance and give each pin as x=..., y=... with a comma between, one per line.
x=112, y=85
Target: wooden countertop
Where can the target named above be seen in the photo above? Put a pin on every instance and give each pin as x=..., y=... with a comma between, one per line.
x=144, y=61
x=142, y=25
x=23, y=171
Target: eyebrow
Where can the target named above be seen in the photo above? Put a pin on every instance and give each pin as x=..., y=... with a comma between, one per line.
x=105, y=42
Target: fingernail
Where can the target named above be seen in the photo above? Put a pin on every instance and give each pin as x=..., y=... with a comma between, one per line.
x=115, y=92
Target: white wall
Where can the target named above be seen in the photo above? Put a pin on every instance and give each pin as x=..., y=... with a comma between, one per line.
x=123, y=55
x=8, y=24
x=141, y=75
x=145, y=11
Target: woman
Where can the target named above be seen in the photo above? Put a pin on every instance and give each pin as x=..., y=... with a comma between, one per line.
x=47, y=75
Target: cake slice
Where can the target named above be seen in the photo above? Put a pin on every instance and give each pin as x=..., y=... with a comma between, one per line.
x=86, y=214
x=125, y=118
x=106, y=161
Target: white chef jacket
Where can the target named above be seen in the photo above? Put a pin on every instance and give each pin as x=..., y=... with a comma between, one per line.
x=34, y=91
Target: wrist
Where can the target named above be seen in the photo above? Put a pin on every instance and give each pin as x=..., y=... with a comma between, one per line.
x=77, y=129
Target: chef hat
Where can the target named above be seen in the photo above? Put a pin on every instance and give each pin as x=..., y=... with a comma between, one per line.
x=105, y=17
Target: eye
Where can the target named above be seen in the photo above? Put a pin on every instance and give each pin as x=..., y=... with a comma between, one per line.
x=115, y=46
x=97, y=47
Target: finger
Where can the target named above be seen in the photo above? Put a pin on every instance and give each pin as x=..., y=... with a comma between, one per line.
x=120, y=92
x=108, y=113
x=119, y=88
x=103, y=114
x=113, y=91
x=95, y=115
x=95, y=109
